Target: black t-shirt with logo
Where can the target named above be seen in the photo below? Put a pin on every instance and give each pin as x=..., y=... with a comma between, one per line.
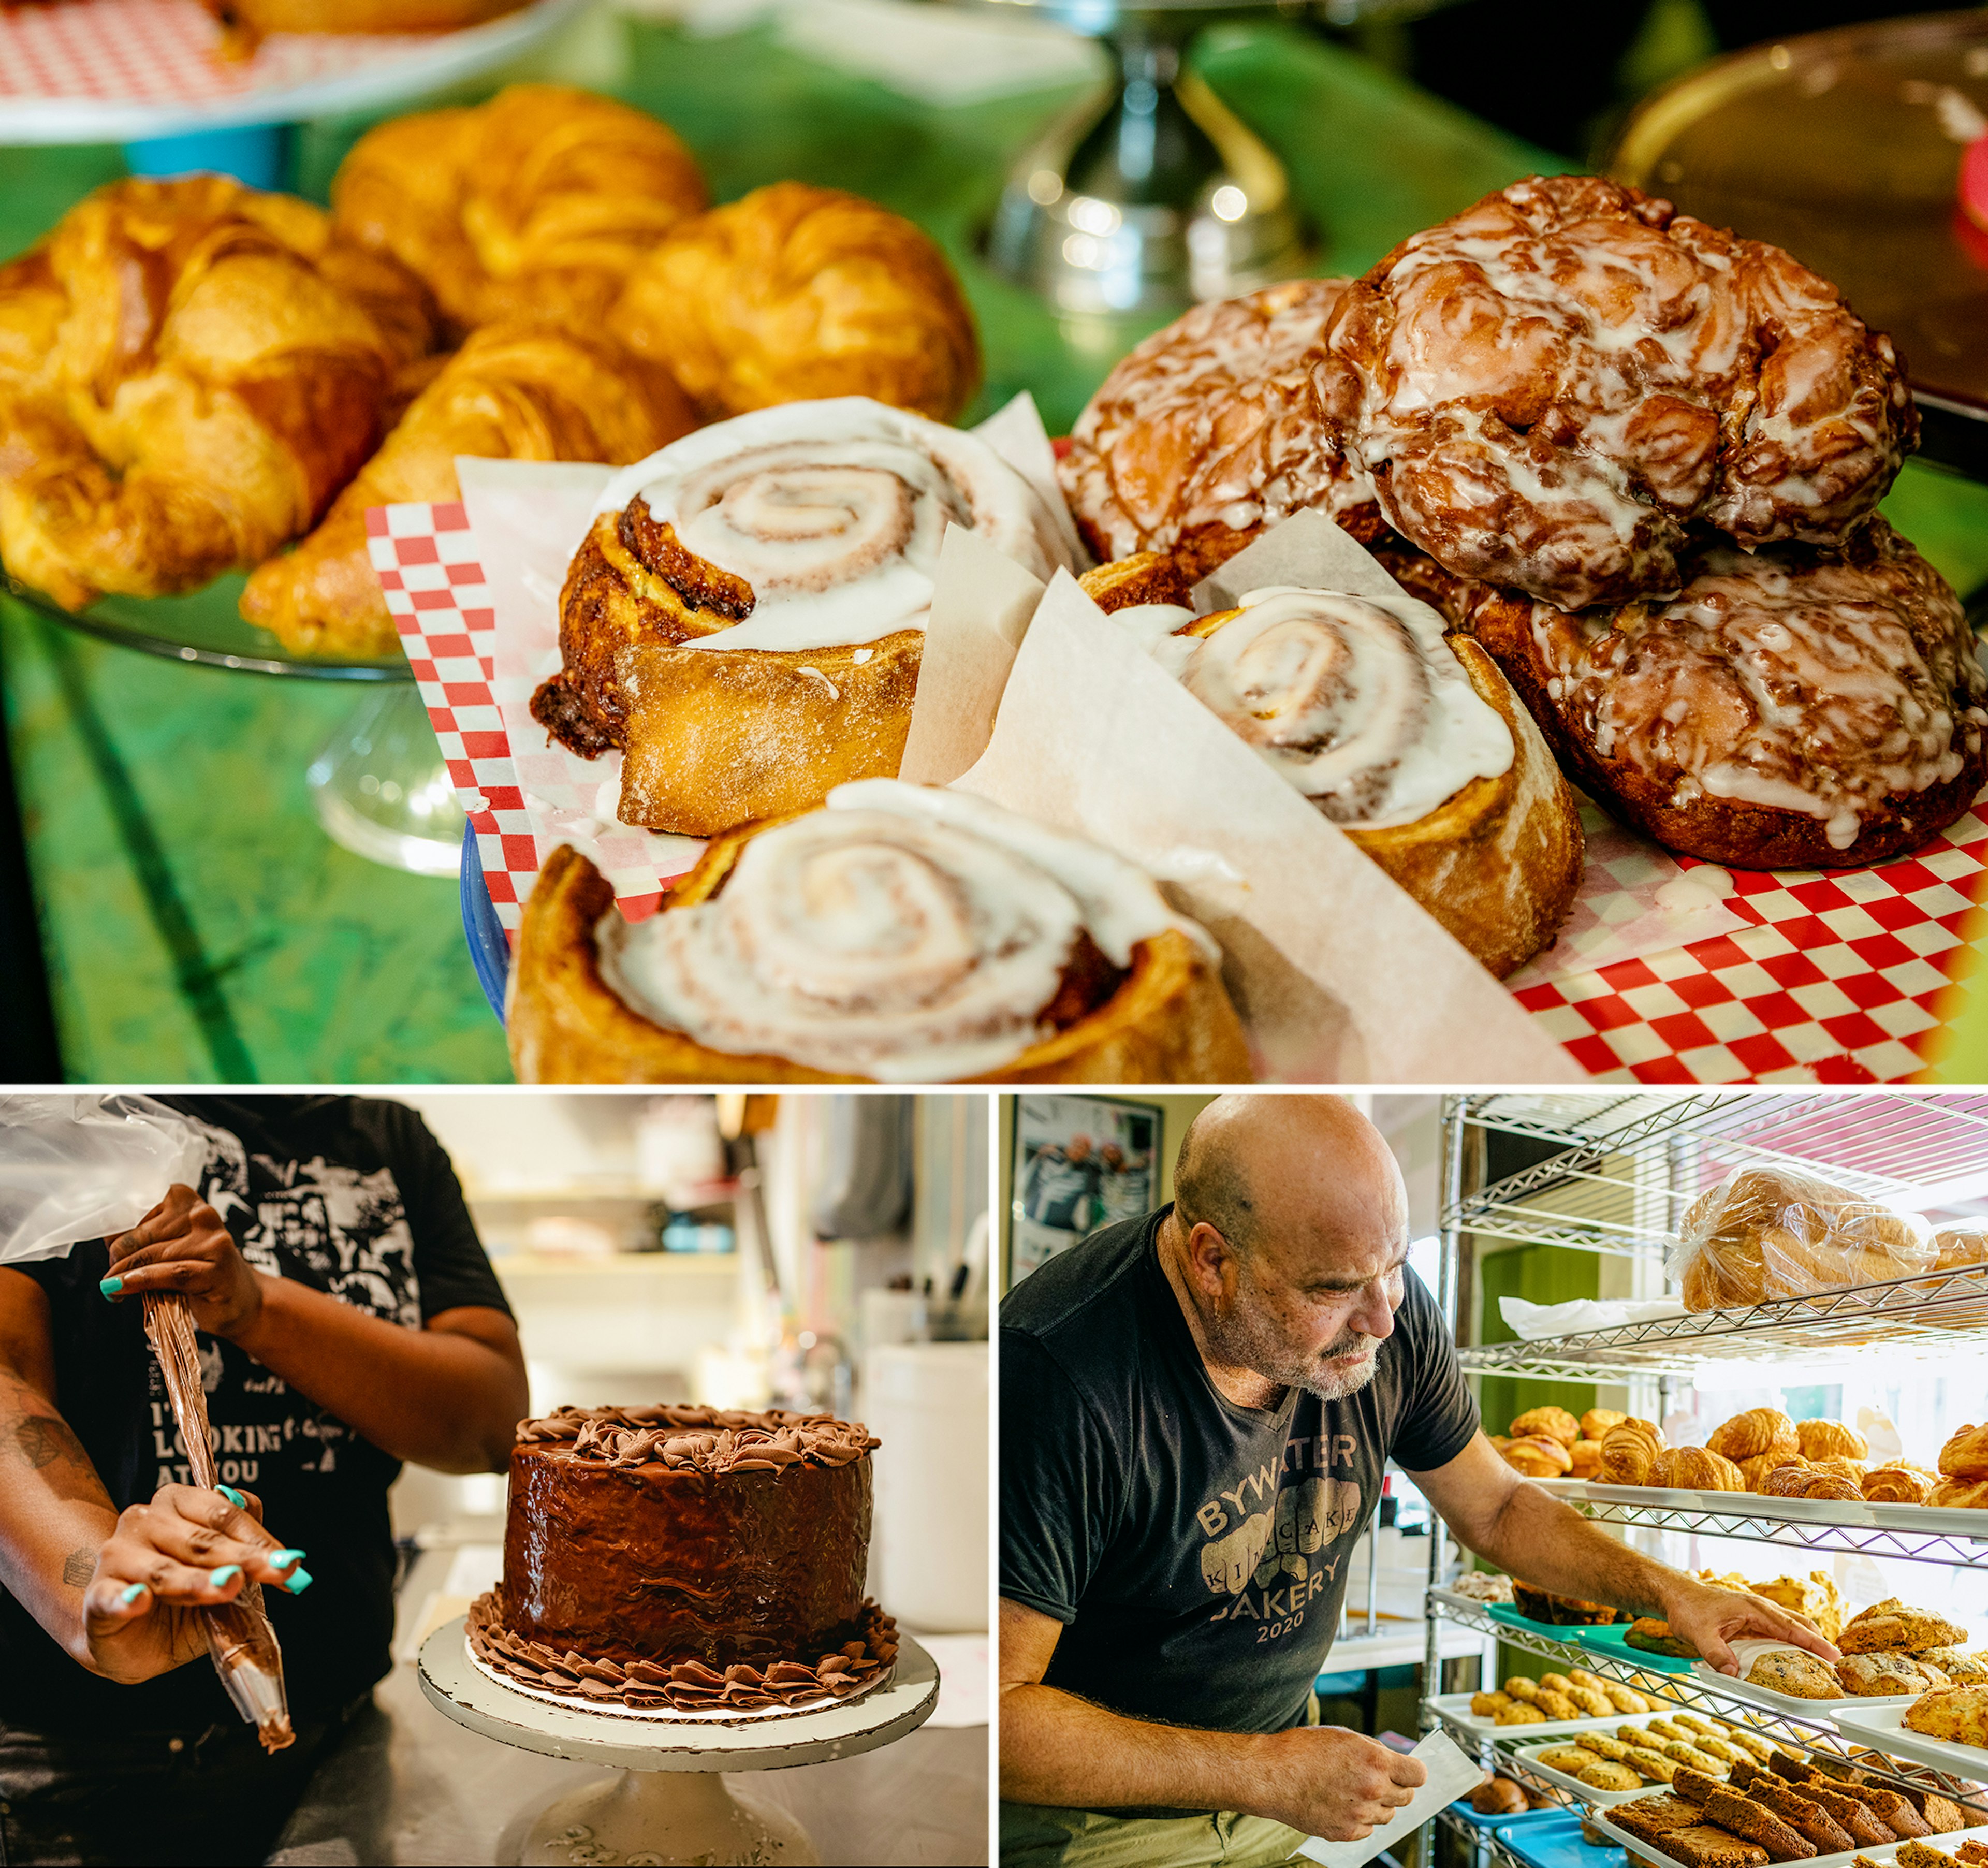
x=348, y=1196
x=1195, y=1550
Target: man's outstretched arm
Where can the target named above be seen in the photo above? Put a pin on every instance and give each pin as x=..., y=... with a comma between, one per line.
x=1545, y=1542
x=1056, y=1749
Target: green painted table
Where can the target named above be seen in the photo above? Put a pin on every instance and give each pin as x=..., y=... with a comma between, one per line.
x=198, y=924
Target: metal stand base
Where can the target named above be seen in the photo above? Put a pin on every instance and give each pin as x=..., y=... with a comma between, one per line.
x=644, y=1816
x=380, y=788
x=1152, y=197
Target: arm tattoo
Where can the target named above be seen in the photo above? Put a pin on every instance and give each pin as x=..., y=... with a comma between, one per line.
x=78, y=1566
x=42, y=1439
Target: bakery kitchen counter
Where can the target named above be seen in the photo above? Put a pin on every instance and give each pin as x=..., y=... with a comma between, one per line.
x=198, y=923
x=409, y=1785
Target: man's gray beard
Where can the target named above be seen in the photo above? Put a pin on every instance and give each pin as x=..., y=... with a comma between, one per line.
x=1241, y=1340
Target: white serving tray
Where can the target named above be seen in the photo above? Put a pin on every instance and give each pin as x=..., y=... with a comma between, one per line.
x=1923, y=1520
x=1456, y=1707
x=1882, y=1727
x=1757, y=1695
x=1528, y=1756
x=1880, y=1851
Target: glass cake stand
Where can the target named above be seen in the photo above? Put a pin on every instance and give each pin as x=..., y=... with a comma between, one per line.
x=671, y=1803
x=378, y=784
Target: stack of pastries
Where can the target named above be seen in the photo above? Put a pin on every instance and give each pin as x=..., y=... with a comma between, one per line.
x=194, y=374
x=1634, y=458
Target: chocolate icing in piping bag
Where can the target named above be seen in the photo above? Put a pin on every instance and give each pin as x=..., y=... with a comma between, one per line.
x=240, y=1640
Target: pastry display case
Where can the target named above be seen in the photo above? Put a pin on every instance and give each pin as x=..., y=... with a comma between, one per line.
x=1629, y=1178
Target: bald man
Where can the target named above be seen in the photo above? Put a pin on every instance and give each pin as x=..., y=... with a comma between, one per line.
x=1197, y=1408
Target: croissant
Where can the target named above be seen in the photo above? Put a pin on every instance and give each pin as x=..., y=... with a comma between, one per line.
x=1788, y=1479
x=189, y=371
x=1697, y=1469
x=794, y=294
x=1539, y=1456
x=1759, y=1430
x=1822, y=1439
x=1963, y=1494
x=1965, y=1456
x=514, y=391
x=537, y=204
x=1552, y=1422
x=1629, y=1453
x=1897, y=1485
x=959, y=943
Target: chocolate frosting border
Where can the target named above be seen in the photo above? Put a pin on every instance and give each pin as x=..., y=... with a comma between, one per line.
x=662, y=1438
x=685, y=1686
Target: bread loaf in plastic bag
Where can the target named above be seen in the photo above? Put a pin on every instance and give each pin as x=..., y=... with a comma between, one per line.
x=1765, y=1233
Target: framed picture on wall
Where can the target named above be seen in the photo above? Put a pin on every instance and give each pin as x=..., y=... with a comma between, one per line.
x=1080, y=1162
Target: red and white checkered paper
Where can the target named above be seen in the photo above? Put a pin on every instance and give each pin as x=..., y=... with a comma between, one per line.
x=167, y=52
x=1830, y=976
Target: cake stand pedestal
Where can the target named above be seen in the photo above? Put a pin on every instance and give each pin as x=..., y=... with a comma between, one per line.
x=670, y=1803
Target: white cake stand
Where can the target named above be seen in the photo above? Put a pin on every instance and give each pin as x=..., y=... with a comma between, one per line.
x=670, y=1803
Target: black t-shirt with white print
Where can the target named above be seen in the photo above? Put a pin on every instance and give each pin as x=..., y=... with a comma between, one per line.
x=348, y=1196
x=1195, y=1550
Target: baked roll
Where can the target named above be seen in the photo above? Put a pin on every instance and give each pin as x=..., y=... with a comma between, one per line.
x=1222, y=425
x=1960, y=1246
x=189, y=371
x=1597, y=1420
x=1629, y=1453
x=1758, y=1431
x=1539, y=1456
x=1797, y=707
x=1831, y=1439
x=1553, y=1422
x=745, y=616
x=796, y=293
x=536, y=205
x=904, y=934
x=514, y=391
x=1558, y=381
x=1413, y=745
x=1585, y=1458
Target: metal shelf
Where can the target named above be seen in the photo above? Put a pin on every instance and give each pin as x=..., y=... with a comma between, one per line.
x=1691, y=1694
x=1744, y=1518
x=1636, y=1162
x=1914, y=1317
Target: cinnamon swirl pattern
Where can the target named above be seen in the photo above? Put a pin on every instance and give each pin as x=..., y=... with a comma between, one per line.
x=1793, y=708
x=1559, y=380
x=1420, y=751
x=1232, y=418
x=745, y=615
x=905, y=934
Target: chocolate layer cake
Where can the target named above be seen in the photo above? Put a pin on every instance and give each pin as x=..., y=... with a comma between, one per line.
x=678, y=1556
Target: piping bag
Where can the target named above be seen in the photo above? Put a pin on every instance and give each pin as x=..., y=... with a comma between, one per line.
x=239, y=1639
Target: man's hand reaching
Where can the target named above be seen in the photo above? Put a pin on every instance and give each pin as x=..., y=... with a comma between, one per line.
x=1325, y=1780
x=1709, y=1618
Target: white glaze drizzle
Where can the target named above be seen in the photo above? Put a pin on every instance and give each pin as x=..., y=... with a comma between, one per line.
x=905, y=932
x=1360, y=705
x=833, y=513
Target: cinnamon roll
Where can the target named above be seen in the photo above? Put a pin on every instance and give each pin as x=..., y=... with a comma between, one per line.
x=904, y=934
x=1416, y=747
x=745, y=616
x=1556, y=382
x=1230, y=419
x=1792, y=707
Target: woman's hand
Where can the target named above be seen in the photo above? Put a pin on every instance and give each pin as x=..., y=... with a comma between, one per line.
x=181, y=1246
x=188, y=1549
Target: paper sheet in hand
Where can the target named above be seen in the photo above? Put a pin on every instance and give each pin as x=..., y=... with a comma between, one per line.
x=1451, y=1775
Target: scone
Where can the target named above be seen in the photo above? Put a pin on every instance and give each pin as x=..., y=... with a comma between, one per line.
x=1876, y=1675
x=1799, y=1675
x=1899, y=1630
x=1958, y=1714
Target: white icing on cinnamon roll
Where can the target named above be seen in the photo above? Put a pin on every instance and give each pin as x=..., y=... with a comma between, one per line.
x=905, y=932
x=832, y=512
x=1361, y=705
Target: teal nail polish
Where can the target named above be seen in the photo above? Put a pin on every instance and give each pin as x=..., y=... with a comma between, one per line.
x=297, y=1582
x=131, y=1595
x=282, y=1559
x=233, y=1497
x=111, y=1286
x=221, y=1578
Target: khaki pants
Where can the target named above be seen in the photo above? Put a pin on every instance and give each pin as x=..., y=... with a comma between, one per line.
x=1036, y=1836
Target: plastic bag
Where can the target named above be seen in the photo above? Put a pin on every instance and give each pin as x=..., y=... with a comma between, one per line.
x=1766, y=1232
x=87, y=1167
